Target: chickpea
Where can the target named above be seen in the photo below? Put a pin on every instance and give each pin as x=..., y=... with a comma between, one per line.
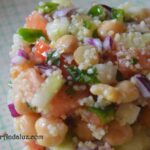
x=22, y=107
x=110, y=93
x=86, y=56
x=26, y=124
x=124, y=92
x=83, y=132
x=53, y=131
x=117, y=134
x=129, y=91
x=67, y=43
x=144, y=117
x=112, y=27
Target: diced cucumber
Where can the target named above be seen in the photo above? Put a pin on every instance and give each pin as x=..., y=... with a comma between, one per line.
x=146, y=38
x=47, y=91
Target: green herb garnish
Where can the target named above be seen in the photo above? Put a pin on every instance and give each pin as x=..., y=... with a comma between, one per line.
x=97, y=11
x=30, y=35
x=87, y=24
x=105, y=114
x=118, y=14
x=47, y=7
x=133, y=61
x=82, y=76
x=54, y=57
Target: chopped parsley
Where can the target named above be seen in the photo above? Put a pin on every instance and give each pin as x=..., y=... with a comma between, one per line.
x=53, y=57
x=133, y=61
x=82, y=76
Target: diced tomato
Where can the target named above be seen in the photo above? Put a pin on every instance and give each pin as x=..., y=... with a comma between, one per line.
x=144, y=61
x=65, y=101
x=27, y=49
x=62, y=66
x=39, y=49
x=93, y=119
x=64, y=63
x=31, y=145
x=127, y=72
x=126, y=68
x=36, y=21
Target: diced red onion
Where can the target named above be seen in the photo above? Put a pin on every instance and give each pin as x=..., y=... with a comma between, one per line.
x=23, y=54
x=143, y=84
x=44, y=67
x=94, y=42
x=20, y=57
x=46, y=70
x=63, y=12
x=12, y=110
x=108, y=43
x=17, y=60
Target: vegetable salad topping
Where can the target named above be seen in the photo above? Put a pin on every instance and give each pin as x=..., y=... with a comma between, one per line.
x=81, y=79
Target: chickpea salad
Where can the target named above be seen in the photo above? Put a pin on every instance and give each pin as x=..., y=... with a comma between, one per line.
x=81, y=78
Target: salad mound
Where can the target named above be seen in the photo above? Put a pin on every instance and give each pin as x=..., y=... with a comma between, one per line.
x=81, y=79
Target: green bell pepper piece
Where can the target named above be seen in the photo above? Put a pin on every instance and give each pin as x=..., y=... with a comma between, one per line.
x=118, y=14
x=30, y=35
x=97, y=11
x=105, y=114
x=47, y=7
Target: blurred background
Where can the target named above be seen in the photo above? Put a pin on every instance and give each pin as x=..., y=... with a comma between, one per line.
x=12, y=16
